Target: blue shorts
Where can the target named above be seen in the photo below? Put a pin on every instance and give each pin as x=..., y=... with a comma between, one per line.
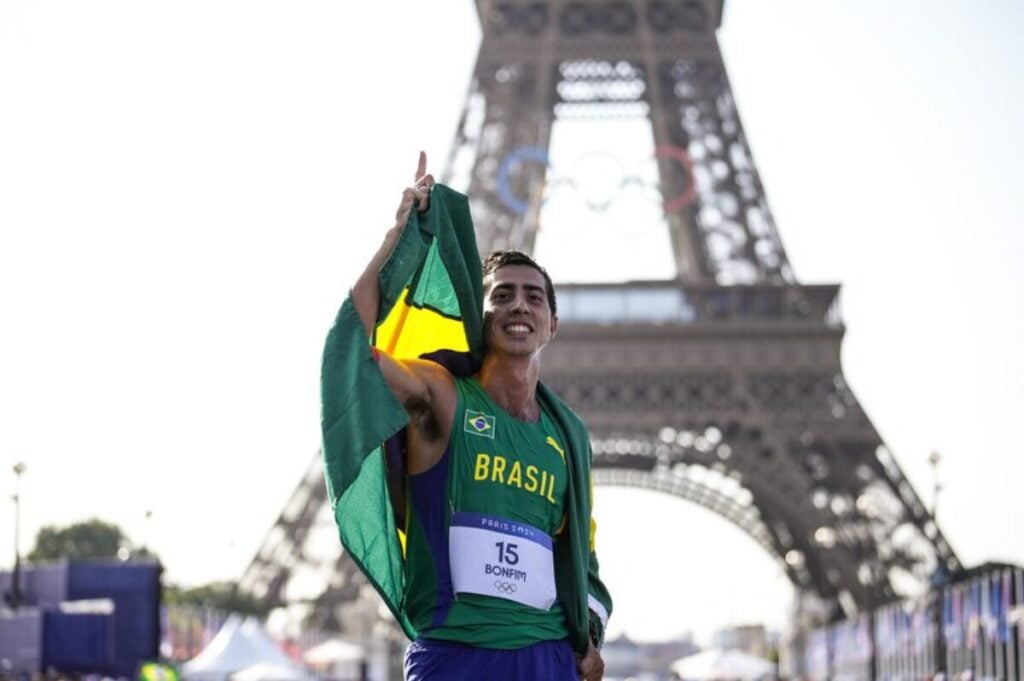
x=434, y=660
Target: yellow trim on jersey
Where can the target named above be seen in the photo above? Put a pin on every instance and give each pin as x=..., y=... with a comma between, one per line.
x=593, y=523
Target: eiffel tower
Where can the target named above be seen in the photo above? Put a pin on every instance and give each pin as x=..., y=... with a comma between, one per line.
x=722, y=386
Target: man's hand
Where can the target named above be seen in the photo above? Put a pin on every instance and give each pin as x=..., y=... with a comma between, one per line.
x=417, y=195
x=591, y=666
x=366, y=292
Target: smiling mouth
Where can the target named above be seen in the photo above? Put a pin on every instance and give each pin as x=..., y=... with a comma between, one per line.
x=517, y=327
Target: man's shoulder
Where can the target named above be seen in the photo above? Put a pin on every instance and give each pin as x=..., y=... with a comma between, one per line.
x=439, y=381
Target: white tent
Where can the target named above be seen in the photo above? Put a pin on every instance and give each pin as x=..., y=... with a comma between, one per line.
x=333, y=652
x=716, y=663
x=258, y=637
x=337, y=659
x=239, y=644
x=268, y=671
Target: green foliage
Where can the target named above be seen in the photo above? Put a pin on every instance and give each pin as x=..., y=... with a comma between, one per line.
x=89, y=539
x=84, y=540
x=224, y=596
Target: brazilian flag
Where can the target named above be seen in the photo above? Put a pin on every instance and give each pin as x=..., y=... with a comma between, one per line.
x=431, y=306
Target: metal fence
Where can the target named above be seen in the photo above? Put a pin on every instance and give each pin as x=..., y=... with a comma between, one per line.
x=972, y=627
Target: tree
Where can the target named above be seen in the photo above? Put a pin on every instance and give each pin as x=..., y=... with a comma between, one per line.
x=224, y=596
x=93, y=538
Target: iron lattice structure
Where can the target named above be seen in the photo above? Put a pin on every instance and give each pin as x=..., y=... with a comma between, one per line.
x=724, y=386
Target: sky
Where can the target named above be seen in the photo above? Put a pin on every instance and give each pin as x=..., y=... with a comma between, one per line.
x=188, y=189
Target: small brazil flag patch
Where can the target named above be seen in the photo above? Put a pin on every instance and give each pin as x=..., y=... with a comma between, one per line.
x=479, y=423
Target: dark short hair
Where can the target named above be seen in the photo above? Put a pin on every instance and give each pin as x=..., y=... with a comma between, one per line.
x=498, y=259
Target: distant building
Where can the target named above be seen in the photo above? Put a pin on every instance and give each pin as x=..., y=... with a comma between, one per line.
x=625, y=658
x=750, y=638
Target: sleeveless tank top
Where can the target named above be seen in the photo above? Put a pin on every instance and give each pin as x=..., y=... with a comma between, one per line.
x=483, y=513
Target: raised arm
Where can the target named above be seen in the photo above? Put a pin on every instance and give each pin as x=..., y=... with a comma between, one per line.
x=366, y=292
x=425, y=388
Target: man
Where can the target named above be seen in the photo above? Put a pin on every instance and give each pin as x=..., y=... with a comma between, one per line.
x=495, y=488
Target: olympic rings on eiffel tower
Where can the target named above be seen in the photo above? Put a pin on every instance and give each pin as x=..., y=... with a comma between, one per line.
x=515, y=159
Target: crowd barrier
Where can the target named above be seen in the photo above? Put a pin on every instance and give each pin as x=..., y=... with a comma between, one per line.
x=971, y=627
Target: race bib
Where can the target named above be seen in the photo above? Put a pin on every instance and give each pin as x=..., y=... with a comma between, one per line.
x=496, y=557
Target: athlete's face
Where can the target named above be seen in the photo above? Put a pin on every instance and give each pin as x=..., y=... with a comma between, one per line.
x=517, y=318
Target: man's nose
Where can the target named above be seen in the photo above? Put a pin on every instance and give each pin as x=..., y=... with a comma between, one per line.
x=519, y=303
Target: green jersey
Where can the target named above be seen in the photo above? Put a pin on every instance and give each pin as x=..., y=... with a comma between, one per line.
x=479, y=530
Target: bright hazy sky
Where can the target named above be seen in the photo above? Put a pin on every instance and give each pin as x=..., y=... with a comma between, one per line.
x=188, y=189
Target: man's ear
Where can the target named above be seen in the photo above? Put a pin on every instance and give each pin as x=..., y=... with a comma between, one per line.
x=554, y=326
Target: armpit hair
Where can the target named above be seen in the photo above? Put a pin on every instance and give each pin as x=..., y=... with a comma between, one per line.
x=422, y=418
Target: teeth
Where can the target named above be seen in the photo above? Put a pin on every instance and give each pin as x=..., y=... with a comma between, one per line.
x=517, y=328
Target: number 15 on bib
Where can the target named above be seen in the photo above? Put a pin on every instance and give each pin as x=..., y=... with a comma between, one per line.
x=493, y=556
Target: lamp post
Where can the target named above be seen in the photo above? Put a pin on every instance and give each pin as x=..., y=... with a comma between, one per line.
x=146, y=553
x=18, y=468
x=934, y=459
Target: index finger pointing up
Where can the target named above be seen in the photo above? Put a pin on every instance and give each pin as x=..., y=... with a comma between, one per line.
x=421, y=168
